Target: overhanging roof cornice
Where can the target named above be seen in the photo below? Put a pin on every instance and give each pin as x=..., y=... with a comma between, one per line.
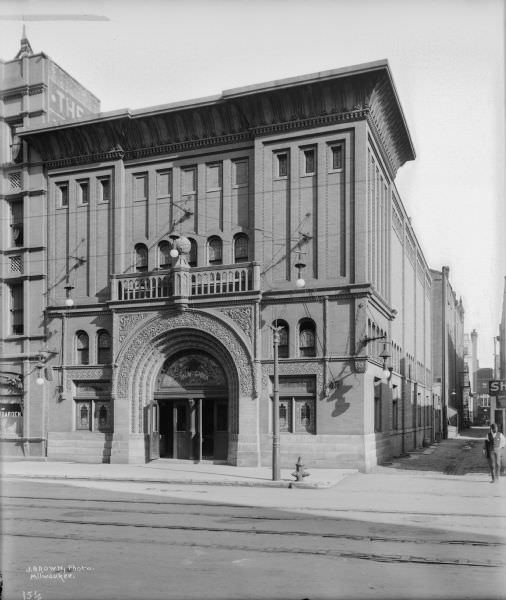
x=360, y=92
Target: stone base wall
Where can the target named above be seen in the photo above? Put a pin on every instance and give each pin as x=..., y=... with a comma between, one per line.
x=79, y=446
x=22, y=448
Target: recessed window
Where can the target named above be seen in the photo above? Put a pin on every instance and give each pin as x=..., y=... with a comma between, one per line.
x=336, y=157
x=164, y=260
x=83, y=188
x=103, y=347
x=16, y=309
x=16, y=224
x=141, y=258
x=240, y=170
x=104, y=189
x=141, y=187
x=213, y=176
x=241, y=248
x=283, y=337
x=307, y=338
x=62, y=192
x=215, y=251
x=282, y=164
x=297, y=415
x=164, y=183
x=309, y=161
x=82, y=348
x=189, y=180
x=192, y=258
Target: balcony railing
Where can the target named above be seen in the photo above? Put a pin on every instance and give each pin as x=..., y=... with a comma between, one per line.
x=181, y=282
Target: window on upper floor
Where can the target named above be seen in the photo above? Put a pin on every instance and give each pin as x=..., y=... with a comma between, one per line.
x=15, y=142
x=103, y=347
x=336, y=157
x=283, y=337
x=241, y=250
x=309, y=161
x=16, y=309
x=307, y=338
x=213, y=176
x=83, y=191
x=282, y=164
x=215, y=250
x=141, y=258
x=16, y=223
x=164, y=259
x=104, y=189
x=82, y=348
x=140, y=186
x=192, y=258
x=62, y=194
x=240, y=172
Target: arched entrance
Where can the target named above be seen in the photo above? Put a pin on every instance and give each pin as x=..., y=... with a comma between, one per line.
x=191, y=392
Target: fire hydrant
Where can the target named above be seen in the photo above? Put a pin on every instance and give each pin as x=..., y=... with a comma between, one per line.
x=299, y=472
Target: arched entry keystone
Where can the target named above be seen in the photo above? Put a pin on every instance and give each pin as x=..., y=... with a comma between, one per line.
x=142, y=356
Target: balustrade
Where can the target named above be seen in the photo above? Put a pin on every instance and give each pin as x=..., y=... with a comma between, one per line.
x=205, y=281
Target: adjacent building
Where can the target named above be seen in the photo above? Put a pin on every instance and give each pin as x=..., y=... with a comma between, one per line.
x=34, y=90
x=451, y=380
x=169, y=241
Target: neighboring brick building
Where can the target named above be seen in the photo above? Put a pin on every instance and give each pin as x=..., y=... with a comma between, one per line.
x=33, y=91
x=175, y=237
x=451, y=381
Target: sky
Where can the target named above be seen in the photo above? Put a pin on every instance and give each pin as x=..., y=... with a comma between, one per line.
x=446, y=56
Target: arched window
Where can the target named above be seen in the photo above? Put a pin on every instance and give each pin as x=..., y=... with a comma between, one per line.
x=82, y=348
x=141, y=258
x=241, y=253
x=283, y=338
x=215, y=251
x=307, y=338
x=192, y=258
x=164, y=260
x=103, y=347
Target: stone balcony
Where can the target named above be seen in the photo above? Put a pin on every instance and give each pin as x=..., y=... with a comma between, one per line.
x=186, y=282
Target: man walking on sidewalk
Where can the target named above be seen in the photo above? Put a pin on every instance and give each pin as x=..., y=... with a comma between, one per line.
x=494, y=444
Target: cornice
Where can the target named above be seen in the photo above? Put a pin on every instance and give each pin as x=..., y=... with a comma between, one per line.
x=32, y=90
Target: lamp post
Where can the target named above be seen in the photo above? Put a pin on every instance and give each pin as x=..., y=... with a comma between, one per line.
x=275, y=407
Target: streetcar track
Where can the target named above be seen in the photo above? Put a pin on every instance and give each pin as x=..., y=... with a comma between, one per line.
x=252, y=506
x=384, y=558
x=274, y=532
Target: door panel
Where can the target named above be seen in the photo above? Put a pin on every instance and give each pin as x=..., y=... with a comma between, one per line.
x=154, y=435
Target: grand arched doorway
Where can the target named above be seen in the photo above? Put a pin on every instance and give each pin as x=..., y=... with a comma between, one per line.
x=191, y=394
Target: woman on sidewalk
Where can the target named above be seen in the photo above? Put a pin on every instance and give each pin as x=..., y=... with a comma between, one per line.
x=494, y=443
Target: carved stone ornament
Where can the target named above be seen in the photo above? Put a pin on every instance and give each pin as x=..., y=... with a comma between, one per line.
x=315, y=368
x=360, y=365
x=92, y=374
x=127, y=323
x=13, y=381
x=243, y=316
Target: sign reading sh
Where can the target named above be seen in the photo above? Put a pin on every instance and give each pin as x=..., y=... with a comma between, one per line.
x=497, y=387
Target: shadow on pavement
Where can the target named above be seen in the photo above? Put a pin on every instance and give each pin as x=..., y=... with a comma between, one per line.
x=459, y=456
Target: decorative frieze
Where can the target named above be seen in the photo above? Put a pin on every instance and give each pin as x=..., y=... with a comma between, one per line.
x=243, y=316
x=128, y=322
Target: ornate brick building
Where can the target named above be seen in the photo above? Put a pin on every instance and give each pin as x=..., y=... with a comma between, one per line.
x=174, y=237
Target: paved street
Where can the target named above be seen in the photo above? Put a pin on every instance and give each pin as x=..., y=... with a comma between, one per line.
x=426, y=526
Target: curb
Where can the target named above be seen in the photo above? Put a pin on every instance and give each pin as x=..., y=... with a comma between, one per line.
x=258, y=483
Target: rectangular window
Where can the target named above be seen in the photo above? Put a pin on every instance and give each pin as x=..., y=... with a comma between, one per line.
x=83, y=188
x=309, y=161
x=62, y=192
x=16, y=224
x=104, y=189
x=189, y=180
x=164, y=183
x=297, y=414
x=395, y=414
x=282, y=164
x=16, y=309
x=415, y=408
x=336, y=157
x=240, y=172
x=102, y=417
x=377, y=405
x=83, y=415
x=213, y=176
x=141, y=187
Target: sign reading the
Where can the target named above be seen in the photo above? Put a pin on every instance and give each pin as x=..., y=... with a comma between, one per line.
x=497, y=387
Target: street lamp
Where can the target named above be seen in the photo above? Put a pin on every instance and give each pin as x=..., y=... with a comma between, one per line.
x=276, y=476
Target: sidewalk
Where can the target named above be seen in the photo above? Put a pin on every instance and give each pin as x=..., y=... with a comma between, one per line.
x=169, y=471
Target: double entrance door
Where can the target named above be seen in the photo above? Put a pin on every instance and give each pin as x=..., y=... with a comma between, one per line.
x=193, y=428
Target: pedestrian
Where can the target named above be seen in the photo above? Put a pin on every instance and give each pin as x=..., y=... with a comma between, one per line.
x=494, y=443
